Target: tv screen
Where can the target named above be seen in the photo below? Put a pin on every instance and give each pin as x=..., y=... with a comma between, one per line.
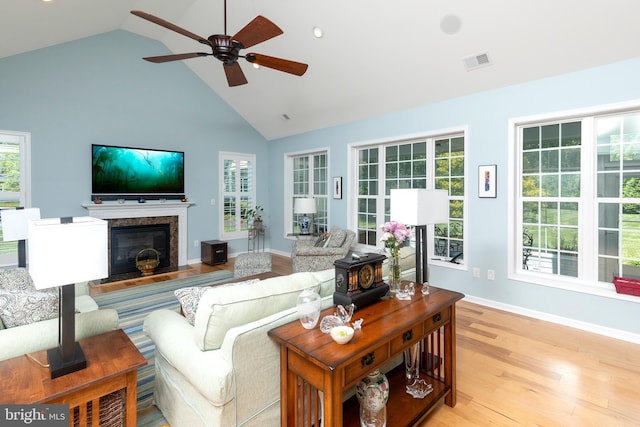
x=136, y=171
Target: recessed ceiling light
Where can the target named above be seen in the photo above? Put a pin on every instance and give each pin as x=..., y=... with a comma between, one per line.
x=256, y=66
x=450, y=24
x=317, y=32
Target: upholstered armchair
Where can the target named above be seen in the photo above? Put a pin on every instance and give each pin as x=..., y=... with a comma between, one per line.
x=319, y=254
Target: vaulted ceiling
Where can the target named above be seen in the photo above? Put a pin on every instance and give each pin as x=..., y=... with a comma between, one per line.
x=374, y=57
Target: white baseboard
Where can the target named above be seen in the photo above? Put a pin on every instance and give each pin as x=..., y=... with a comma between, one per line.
x=585, y=326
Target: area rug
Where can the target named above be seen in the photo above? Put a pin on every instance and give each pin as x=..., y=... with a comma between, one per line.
x=134, y=304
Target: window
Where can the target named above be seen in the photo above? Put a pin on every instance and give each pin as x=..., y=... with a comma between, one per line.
x=434, y=162
x=578, y=199
x=14, y=183
x=310, y=178
x=238, y=192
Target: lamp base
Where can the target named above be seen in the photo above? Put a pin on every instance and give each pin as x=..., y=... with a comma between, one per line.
x=305, y=224
x=60, y=367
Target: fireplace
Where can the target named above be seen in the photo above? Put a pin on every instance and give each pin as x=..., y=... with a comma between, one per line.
x=128, y=236
x=131, y=243
x=134, y=214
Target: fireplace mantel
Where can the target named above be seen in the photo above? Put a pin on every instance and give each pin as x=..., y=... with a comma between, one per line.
x=132, y=209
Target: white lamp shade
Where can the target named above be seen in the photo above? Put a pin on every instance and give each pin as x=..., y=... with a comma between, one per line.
x=64, y=254
x=14, y=222
x=306, y=205
x=419, y=207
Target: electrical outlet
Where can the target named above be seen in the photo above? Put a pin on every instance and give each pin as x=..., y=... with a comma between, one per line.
x=491, y=275
x=476, y=272
x=196, y=243
x=213, y=202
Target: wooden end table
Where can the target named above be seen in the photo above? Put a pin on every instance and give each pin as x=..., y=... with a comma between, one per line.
x=112, y=363
x=313, y=365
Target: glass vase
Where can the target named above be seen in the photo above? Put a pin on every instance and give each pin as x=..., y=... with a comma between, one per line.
x=394, y=274
x=309, y=305
x=372, y=393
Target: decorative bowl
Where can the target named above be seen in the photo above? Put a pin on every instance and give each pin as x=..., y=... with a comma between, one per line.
x=341, y=334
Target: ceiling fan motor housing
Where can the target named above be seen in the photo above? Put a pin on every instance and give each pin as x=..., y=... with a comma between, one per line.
x=225, y=48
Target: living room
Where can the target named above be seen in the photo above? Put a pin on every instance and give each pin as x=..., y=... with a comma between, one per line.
x=98, y=90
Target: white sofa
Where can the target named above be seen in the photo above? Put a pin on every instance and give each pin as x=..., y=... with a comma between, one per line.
x=40, y=335
x=224, y=370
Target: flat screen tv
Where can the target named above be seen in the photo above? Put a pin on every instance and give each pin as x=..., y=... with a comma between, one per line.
x=127, y=172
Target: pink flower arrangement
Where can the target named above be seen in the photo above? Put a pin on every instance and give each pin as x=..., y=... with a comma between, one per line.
x=394, y=236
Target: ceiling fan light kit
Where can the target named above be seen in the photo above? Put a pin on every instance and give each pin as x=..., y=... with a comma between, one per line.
x=227, y=48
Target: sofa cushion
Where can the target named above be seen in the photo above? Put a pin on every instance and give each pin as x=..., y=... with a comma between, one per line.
x=19, y=307
x=224, y=307
x=190, y=297
x=337, y=237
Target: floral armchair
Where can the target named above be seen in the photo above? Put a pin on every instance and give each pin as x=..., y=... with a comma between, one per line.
x=319, y=254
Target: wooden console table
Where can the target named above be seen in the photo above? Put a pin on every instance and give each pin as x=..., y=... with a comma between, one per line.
x=112, y=363
x=311, y=362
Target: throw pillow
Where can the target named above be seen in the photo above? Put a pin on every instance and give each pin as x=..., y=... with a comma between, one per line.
x=16, y=279
x=323, y=240
x=190, y=297
x=19, y=308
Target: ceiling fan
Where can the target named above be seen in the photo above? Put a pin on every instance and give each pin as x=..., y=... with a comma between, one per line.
x=227, y=48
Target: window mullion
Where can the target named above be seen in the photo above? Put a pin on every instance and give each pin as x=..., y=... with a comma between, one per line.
x=588, y=219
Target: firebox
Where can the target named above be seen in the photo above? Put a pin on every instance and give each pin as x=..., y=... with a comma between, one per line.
x=128, y=241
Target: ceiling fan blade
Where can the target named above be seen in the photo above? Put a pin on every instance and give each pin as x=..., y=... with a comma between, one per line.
x=177, y=57
x=235, y=76
x=170, y=26
x=257, y=31
x=291, y=67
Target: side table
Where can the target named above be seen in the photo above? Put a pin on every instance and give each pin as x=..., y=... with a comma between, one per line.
x=310, y=362
x=112, y=364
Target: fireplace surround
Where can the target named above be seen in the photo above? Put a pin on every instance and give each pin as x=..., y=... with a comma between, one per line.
x=152, y=212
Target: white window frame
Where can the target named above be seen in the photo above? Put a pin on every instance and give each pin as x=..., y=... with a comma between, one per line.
x=587, y=281
x=23, y=139
x=238, y=157
x=288, y=185
x=351, y=187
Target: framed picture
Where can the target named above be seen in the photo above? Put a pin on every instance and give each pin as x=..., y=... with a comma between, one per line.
x=337, y=187
x=487, y=181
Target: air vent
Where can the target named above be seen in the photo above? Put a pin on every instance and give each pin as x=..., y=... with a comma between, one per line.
x=477, y=61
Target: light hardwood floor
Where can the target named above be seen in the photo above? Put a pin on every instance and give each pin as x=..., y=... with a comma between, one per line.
x=518, y=371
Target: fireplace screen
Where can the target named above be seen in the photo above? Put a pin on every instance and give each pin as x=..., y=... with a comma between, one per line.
x=127, y=241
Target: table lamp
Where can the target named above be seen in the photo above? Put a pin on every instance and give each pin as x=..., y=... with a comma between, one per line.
x=14, y=227
x=304, y=206
x=62, y=252
x=419, y=208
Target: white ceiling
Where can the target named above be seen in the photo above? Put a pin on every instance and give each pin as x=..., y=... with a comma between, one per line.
x=375, y=57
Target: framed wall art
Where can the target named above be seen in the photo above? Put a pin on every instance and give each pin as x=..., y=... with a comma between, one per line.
x=487, y=181
x=337, y=187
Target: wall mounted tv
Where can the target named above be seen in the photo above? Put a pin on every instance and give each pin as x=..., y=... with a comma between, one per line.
x=131, y=173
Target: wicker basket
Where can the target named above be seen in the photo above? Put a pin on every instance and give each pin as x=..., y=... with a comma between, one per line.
x=147, y=265
x=625, y=285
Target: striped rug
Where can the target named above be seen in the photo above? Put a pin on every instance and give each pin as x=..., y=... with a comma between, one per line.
x=134, y=304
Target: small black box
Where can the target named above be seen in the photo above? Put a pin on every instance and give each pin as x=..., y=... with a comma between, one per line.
x=213, y=252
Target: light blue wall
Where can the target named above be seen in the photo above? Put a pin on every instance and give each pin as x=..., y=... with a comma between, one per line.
x=486, y=117
x=99, y=90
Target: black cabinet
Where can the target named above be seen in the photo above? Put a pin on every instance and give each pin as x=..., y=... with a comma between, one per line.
x=213, y=252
